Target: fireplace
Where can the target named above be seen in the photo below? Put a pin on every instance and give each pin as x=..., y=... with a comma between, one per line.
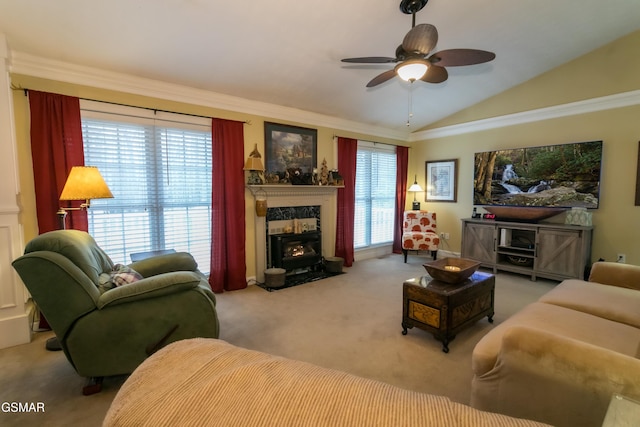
x=293, y=251
x=287, y=196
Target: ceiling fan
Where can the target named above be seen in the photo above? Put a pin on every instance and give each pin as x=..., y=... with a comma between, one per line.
x=411, y=55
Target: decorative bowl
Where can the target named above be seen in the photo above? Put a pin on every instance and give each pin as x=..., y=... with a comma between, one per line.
x=523, y=214
x=452, y=270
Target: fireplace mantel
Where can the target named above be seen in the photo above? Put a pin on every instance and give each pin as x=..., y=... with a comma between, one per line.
x=284, y=190
x=281, y=195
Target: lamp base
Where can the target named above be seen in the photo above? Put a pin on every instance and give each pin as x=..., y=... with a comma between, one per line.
x=254, y=178
x=415, y=206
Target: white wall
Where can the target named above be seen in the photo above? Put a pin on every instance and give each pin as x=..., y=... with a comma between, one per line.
x=14, y=322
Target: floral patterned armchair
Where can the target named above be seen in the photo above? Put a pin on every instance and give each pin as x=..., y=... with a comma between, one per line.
x=419, y=233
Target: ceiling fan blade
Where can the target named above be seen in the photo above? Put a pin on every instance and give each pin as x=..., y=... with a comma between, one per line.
x=435, y=74
x=381, y=78
x=420, y=39
x=458, y=57
x=370, y=60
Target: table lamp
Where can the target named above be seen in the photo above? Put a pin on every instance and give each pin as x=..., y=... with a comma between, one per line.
x=415, y=188
x=83, y=183
x=254, y=166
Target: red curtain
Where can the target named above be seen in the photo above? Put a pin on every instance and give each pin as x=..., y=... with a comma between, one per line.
x=56, y=146
x=228, y=264
x=347, y=152
x=402, y=161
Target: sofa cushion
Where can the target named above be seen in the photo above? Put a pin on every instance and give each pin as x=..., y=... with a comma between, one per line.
x=609, y=302
x=616, y=274
x=560, y=321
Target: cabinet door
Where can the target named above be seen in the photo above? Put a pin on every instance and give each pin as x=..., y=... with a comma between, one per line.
x=478, y=242
x=560, y=252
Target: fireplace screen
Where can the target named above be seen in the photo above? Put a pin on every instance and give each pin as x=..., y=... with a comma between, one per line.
x=294, y=251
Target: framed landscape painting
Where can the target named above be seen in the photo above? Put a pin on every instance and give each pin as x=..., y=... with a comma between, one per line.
x=289, y=147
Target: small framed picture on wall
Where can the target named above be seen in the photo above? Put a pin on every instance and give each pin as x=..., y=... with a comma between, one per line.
x=442, y=180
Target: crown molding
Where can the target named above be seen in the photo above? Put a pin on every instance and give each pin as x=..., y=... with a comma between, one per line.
x=619, y=100
x=30, y=65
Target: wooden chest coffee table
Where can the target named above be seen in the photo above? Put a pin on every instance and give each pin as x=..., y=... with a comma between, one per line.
x=445, y=309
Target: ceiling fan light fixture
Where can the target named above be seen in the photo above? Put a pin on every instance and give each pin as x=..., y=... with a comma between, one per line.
x=412, y=70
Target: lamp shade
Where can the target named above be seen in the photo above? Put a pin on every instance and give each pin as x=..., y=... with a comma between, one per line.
x=85, y=183
x=253, y=164
x=415, y=187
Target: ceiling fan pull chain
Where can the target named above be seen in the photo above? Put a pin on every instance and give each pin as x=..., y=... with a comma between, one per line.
x=410, y=107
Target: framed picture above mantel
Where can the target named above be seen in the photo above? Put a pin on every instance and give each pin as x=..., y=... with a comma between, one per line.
x=290, y=151
x=442, y=181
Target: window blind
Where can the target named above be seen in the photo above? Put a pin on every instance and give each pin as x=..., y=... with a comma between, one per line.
x=374, y=194
x=159, y=172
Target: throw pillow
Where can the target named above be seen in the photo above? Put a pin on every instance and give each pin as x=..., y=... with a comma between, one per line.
x=119, y=276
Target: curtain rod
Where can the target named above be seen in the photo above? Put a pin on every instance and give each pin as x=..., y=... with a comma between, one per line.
x=375, y=142
x=155, y=110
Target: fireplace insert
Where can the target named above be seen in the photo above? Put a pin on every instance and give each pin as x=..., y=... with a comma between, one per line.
x=296, y=251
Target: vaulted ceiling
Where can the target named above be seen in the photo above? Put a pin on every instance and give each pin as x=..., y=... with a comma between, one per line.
x=288, y=53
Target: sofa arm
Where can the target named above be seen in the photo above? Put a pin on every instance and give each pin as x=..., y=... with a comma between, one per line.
x=554, y=379
x=179, y=261
x=150, y=287
x=616, y=274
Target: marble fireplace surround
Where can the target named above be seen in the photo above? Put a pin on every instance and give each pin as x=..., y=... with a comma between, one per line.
x=294, y=195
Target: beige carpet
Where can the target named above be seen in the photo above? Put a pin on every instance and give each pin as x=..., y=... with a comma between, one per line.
x=350, y=322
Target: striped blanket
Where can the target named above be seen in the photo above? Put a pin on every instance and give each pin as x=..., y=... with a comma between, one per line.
x=208, y=382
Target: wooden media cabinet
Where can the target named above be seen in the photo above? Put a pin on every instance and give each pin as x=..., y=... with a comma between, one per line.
x=552, y=251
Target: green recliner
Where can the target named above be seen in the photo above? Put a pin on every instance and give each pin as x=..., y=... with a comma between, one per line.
x=105, y=333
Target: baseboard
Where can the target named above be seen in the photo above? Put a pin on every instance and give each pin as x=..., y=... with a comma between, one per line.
x=16, y=330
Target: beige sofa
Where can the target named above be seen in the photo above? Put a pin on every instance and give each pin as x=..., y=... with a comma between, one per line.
x=208, y=382
x=560, y=359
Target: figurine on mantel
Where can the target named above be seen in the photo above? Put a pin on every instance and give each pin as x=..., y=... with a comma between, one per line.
x=324, y=173
x=336, y=178
x=272, y=178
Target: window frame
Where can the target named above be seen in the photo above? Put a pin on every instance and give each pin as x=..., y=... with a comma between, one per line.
x=159, y=122
x=384, y=149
